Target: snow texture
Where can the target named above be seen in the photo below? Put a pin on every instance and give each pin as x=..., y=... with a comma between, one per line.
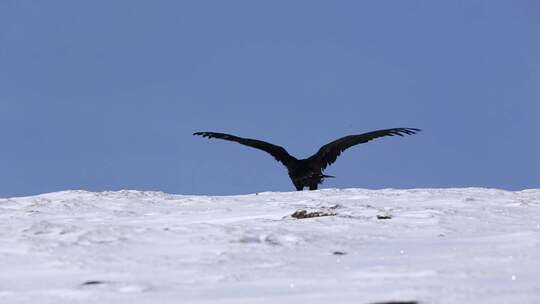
x=350, y=246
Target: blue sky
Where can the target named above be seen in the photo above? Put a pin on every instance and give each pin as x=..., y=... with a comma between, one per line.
x=104, y=95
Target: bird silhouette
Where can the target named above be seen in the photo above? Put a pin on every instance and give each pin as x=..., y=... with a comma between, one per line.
x=308, y=172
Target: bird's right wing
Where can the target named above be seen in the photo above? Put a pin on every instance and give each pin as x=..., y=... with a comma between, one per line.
x=279, y=153
x=328, y=153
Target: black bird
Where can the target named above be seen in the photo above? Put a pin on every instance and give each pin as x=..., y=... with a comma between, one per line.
x=308, y=172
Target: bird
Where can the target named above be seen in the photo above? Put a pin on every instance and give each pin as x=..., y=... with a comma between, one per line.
x=308, y=172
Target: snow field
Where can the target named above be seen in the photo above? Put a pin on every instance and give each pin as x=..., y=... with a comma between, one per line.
x=468, y=245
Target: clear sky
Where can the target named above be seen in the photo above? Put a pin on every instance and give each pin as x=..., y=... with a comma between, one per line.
x=104, y=95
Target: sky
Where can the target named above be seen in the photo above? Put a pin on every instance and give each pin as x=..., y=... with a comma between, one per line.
x=105, y=95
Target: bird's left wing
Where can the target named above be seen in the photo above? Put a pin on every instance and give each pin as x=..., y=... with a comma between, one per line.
x=279, y=153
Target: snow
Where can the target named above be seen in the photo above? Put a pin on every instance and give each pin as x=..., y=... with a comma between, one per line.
x=468, y=245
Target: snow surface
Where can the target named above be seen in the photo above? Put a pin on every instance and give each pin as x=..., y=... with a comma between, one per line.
x=439, y=246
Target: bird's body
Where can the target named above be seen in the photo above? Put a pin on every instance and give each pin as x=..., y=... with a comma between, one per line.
x=308, y=172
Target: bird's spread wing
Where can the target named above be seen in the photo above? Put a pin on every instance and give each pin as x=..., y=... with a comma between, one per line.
x=328, y=153
x=279, y=153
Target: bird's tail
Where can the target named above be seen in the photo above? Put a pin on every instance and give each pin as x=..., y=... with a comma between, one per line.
x=327, y=176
